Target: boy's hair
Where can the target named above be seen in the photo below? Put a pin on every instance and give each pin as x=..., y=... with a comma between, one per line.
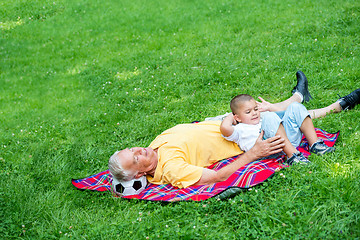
x=238, y=100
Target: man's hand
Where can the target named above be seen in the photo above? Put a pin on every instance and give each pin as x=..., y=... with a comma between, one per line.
x=264, y=106
x=264, y=148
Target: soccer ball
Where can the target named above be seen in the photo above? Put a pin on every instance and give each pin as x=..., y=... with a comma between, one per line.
x=132, y=187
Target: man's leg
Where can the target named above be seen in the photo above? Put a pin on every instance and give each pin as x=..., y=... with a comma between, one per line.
x=347, y=102
x=344, y=103
x=314, y=113
x=278, y=107
x=300, y=93
x=322, y=112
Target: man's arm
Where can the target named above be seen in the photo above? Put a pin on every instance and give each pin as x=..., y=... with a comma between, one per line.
x=226, y=127
x=262, y=148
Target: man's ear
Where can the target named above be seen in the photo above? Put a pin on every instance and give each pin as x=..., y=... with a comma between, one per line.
x=236, y=117
x=140, y=174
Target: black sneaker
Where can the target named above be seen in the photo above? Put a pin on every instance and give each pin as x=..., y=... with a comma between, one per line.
x=302, y=86
x=321, y=148
x=351, y=100
x=296, y=158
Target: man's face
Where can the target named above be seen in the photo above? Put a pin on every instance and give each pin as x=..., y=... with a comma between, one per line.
x=138, y=160
x=248, y=113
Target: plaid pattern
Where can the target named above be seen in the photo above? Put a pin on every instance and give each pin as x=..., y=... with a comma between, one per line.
x=248, y=176
x=329, y=139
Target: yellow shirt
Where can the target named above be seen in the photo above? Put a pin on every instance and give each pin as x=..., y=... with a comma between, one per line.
x=184, y=150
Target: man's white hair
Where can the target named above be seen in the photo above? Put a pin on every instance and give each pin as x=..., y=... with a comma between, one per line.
x=117, y=171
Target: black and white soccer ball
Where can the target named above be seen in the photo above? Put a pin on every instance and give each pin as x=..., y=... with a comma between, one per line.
x=132, y=187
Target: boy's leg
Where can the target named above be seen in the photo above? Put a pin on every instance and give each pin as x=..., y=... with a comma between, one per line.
x=293, y=118
x=289, y=149
x=317, y=145
x=271, y=125
x=297, y=121
x=308, y=129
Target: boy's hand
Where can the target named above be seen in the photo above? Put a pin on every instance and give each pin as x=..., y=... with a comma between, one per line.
x=234, y=122
x=263, y=106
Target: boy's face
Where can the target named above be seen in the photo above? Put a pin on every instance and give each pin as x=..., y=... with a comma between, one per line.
x=248, y=113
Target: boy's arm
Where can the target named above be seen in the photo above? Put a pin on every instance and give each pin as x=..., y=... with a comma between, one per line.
x=226, y=127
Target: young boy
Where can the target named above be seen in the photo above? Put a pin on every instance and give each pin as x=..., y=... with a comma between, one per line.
x=245, y=123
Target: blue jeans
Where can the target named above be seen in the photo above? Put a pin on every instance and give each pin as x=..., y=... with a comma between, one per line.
x=292, y=119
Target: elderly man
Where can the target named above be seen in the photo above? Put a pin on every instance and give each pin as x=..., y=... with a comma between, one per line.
x=180, y=155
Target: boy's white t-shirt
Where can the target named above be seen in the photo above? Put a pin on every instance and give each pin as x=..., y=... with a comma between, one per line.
x=245, y=135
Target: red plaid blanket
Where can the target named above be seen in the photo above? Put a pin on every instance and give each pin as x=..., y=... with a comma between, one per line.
x=248, y=176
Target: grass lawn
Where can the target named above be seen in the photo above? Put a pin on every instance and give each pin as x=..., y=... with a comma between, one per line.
x=81, y=79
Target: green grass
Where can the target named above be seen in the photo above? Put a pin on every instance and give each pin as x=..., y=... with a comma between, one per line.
x=81, y=79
